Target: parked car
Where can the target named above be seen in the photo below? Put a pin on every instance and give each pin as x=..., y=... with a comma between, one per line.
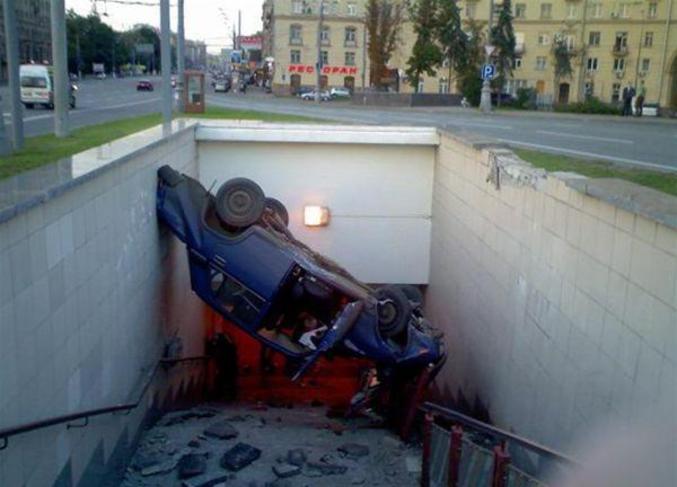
x=144, y=85
x=247, y=265
x=340, y=93
x=101, y=75
x=506, y=99
x=311, y=95
x=222, y=85
x=37, y=86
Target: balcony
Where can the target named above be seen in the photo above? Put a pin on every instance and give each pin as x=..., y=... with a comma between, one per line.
x=350, y=43
x=619, y=51
x=295, y=41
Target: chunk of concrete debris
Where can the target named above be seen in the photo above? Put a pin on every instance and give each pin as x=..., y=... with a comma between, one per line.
x=354, y=450
x=279, y=483
x=285, y=470
x=296, y=457
x=210, y=480
x=159, y=468
x=325, y=469
x=413, y=464
x=144, y=459
x=358, y=479
x=222, y=430
x=194, y=443
x=192, y=465
x=239, y=457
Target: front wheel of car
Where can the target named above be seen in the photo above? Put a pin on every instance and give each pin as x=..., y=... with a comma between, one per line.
x=278, y=210
x=394, y=311
x=240, y=202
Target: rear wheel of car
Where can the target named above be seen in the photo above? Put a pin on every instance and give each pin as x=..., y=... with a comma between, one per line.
x=240, y=202
x=278, y=210
x=394, y=311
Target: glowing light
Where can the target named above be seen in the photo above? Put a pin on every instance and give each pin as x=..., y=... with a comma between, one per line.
x=315, y=216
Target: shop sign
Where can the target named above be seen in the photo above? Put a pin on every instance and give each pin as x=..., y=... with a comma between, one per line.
x=310, y=69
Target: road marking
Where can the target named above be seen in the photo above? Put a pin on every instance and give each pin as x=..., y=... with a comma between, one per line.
x=586, y=137
x=550, y=148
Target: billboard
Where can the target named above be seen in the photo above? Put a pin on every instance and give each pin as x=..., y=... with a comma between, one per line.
x=250, y=42
x=98, y=68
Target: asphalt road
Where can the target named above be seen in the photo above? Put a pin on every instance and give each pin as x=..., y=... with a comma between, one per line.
x=641, y=142
x=98, y=101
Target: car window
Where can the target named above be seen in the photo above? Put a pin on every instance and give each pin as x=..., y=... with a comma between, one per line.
x=33, y=82
x=234, y=298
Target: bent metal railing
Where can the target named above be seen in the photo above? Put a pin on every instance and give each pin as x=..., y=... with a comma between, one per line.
x=126, y=408
x=451, y=459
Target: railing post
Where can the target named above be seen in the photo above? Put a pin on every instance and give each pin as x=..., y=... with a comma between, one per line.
x=428, y=421
x=455, y=447
x=501, y=463
x=410, y=412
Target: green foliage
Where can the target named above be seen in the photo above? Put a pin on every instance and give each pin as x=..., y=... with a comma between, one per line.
x=449, y=32
x=426, y=55
x=526, y=99
x=592, y=105
x=383, y=21
x=503, y=38
x=470, y=83
x=562, y=55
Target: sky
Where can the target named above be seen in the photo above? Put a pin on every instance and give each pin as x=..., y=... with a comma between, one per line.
x=204, y=19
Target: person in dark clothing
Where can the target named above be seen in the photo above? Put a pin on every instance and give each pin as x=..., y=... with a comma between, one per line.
x=628, y=95
x=639, y=101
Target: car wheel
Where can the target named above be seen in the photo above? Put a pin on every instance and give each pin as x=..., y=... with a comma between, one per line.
x=278, y=210
x=240, y=202
x=413, y=294
x=30, y=106
x=394, y=311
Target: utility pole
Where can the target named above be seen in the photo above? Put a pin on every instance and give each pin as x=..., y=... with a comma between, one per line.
x=239, y=30
x=639, y=50
x=60, y=61
x=166, y=60
x=78, y=58
x=180, y=55
x=485, y=100
x=12, y=50
x=583, y=51
x=364, y=64
x=318, y=85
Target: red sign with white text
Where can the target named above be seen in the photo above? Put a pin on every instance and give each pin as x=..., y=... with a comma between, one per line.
x=310, y=69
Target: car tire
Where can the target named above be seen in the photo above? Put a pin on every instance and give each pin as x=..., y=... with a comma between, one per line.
x=413, y=294
x=240, y=202
x=278, y=210
x=30, y=106
x=394, y=311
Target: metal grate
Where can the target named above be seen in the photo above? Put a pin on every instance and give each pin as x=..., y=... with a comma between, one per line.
x=439, y=456
x=519, y=478
x=476, y=465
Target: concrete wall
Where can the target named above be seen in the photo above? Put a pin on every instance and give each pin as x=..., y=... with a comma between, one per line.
x=560, y=309
x=377, y=183
x=85, y=309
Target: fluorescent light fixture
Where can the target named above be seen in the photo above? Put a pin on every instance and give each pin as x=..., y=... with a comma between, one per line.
x=315, y=216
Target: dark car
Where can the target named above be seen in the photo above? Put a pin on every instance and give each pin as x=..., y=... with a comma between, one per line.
x=506, y=99
x=247, y=266
x=144, y=85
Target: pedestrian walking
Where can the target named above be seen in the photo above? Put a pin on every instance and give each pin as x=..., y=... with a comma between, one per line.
x=639, y=102
x=628, y=95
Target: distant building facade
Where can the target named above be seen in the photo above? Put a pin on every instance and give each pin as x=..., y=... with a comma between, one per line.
x=612, y=43
x=35, y=42
x=196, y=54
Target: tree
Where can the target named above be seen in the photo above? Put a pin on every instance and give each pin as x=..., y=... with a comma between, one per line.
x=383, y=22
x=426, y=54
x=453, y=41
x=469, y=70
x=562, y=65
x=503, y=38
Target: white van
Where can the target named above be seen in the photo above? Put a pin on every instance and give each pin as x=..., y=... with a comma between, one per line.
x=37, y=86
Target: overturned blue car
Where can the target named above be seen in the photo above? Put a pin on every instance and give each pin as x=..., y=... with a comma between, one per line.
x=246, y=265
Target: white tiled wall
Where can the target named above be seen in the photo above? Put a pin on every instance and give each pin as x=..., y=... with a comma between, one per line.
x=560, y=310
x=81, y=311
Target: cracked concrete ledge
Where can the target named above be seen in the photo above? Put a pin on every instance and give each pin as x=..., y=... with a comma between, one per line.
x=516, y=171
x=647, y=202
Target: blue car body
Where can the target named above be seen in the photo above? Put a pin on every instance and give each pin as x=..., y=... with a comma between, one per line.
x=259, y=269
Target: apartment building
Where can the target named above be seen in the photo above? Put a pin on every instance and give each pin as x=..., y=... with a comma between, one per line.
x=612, y=44
x=33, y=28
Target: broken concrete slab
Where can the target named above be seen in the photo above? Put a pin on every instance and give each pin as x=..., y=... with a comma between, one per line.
x=354, y=450
x=296, y=457
x=222, y=430
x=239, y=457
x=286, y=470
x=210, y=480
x=325, y=468
x=192, y=465
x=164, y=467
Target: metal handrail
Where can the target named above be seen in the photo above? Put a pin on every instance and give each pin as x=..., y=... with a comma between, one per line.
x=497, y=433
x=6, y=433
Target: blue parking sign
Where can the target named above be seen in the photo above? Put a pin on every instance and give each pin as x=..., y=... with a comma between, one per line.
x=488, y=71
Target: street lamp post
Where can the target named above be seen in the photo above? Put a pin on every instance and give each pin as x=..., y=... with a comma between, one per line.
x=318, y=86
x=485, y=100
x=166, y=60
x=12, y=50
x=180, y=55
x=60, y=62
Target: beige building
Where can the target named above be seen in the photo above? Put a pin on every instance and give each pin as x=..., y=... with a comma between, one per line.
x=613, y=44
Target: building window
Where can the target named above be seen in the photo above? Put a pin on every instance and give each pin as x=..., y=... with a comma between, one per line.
x=325, y=35
x=297, y=7
x=470, y=10
x=295, y=34
x=512, y=86
x=350, y=58
x=325, y=8
x=624, y=11
x=596, y=9
x=421, y=84
x=648, y=39
x=517, y=63
x=619, y=64
x=520, y=10
x=443, y=87
x=615, y=92
x=325, y=58
x=572, y=10
x=334, y=7
x=541, y=62
x=546, y=10
x=350, y=36
x=352, y=9
x=295, y=57
x=646, y=64
x=653, y=8
x=543, y=39
x=592, y=64
x=594, y=39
